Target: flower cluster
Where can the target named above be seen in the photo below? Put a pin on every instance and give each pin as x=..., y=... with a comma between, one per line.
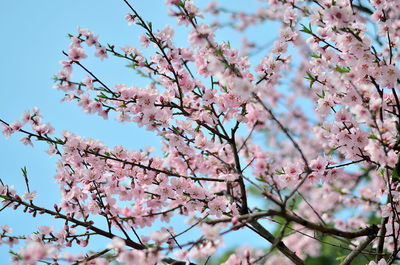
x=208, y=103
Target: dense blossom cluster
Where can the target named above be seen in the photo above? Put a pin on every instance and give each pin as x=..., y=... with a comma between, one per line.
x=341, y=154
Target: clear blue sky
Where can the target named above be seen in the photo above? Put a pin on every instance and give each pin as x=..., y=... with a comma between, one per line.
x=33, y=35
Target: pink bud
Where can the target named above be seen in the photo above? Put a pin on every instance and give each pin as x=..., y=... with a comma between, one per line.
x=247, y=254
x=235, y=220
x=83, y=243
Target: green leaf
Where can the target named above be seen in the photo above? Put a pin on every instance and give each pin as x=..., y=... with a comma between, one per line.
x=102, y=95
x=372, y=136
x=338, y=190
x=261, y=179
x=131, y=65
x=343, y=69
x=305, y=29
x=218, y=52
x=322, y=95
x=395, y=175
x=24, y=172
x=311, y=78
x=332, y=150
x=58, y=140
x=316, y=55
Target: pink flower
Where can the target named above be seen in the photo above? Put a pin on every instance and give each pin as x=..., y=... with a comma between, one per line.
x=211, y=232
x=101, y=52
x=130, y=18
x=380, y=262
x=294, y=170
x=83, y=243
x=46, y=230
x=117, y=244
x=243, y=88
x=88, y=82
x=389, y=76
x=29, y=195
x=6, y=130
x=342, y=115
x=360, y=138
x=16, y=126
x=76, y=54
x=145, y=41
x=84, y=32
x=217, y=207
x=232, y=260
x=6, y=229
x=51, y=150
x=318, y=165
x=34, y=251
x=26, y=141
x=92, y=40
x=338, y=16
x=159, y=237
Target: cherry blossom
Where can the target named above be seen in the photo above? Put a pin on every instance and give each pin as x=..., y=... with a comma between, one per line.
x=323, y=96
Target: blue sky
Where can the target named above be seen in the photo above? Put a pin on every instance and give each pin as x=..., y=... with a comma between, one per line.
x=34, y=33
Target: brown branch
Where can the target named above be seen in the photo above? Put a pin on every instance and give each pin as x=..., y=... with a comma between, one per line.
x=327, y=230
x=285, y=130
x=244, y=208
x=381, y=241
x=90, y=73
x=279, y=245
x=88, y=225
x=358, y=249
x=161, y=48
x=167, y=172
x=96, y=255
x=372, y=230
